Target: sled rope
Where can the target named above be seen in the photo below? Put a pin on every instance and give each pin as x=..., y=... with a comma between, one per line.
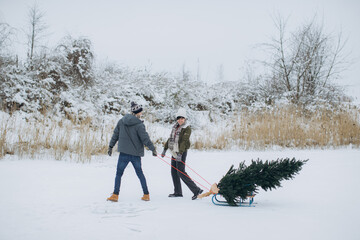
x=182, y=172
x=191, y=170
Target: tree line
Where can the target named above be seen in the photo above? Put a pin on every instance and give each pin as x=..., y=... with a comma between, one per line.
x=302, y=68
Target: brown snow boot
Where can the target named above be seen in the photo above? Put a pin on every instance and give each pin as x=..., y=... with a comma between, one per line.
x=146, y=197
x=113, y=198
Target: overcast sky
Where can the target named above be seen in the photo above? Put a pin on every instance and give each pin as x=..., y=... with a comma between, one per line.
x=198, y=33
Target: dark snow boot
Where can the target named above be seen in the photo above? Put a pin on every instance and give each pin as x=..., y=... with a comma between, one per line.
x=197, y=194
x=175, y=195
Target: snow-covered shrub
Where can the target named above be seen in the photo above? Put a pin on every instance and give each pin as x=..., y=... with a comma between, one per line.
x=76, y=56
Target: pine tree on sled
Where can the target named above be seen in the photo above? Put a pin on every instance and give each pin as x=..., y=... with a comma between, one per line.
x=241, y=184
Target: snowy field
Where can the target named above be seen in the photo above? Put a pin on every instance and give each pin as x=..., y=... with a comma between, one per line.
x=47, y=199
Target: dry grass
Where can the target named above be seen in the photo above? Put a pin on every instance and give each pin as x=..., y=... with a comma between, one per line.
x=287, y=127
x=62, y=139
x=3, y=144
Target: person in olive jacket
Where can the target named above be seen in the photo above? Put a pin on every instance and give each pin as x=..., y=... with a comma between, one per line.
x=132, y=136
x=179, y=143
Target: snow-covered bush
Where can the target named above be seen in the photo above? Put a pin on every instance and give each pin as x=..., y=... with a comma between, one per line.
x=76, y=58
x=66, y=83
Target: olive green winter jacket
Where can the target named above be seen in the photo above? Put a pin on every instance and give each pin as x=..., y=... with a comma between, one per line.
x=184, y=140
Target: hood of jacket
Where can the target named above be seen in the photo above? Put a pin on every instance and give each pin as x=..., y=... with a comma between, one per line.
x=130, y=120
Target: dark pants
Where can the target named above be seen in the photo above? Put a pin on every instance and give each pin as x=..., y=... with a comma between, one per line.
x=123, y=161
x=176, y=176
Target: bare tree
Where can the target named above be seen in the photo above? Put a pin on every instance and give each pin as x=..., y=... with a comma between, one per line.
x=6, y=36
x=303, y=64
x=36, y=29
x=198, y=71
x=6, y=33
x=220, y=77
x=185, y=73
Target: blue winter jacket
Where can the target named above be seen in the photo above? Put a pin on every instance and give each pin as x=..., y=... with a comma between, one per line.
x=132, y=136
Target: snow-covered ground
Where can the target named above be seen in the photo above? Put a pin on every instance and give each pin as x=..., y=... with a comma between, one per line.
x=47, y=199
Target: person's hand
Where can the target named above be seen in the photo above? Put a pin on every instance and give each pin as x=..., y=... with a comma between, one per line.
x=163, y=153
x=154, y=153
x=178, y=157
x=110, y=151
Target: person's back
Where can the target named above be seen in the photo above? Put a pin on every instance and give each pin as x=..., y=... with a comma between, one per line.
x=131, y=136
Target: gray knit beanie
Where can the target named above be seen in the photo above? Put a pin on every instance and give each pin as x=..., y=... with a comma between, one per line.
x=136, y=108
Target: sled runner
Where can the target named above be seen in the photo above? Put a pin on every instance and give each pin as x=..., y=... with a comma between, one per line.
x=241, y=203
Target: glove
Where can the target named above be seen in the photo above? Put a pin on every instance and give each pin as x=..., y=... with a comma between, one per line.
x=154, y=153
x=110, y=151
x=178, y=157
x=163, y=153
